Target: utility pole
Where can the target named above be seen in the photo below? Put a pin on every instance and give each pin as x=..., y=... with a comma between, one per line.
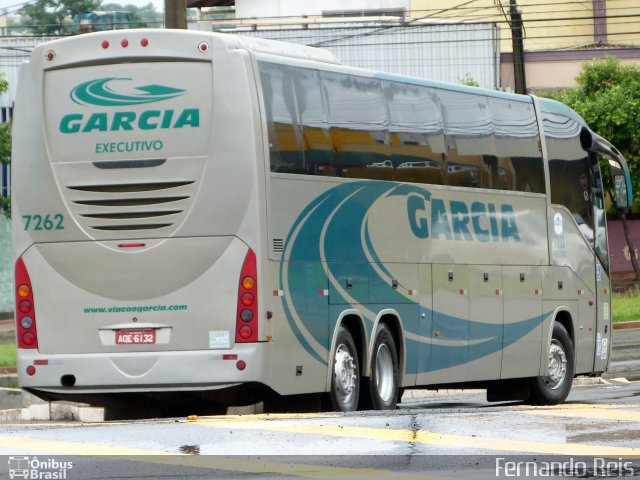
x=517, y=37
x=175, y=14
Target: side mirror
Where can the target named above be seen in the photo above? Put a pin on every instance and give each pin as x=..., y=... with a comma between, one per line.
x=620, y=191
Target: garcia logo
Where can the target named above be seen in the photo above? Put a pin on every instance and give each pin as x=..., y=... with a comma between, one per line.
x=101, y=93
x=455, y=220
x=96, y=92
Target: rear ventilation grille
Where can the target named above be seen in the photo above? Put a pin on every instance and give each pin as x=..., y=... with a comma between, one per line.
x=278, y=245
x=125, y=206
x=129, y=187
x=128, y=202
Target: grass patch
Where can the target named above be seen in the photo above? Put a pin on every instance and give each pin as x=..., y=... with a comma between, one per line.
x=7, y=354
x=626, y=306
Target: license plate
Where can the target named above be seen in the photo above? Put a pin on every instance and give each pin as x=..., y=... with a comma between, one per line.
x=135, y=337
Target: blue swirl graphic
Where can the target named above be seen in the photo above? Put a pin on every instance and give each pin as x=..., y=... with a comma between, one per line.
x=330, y=240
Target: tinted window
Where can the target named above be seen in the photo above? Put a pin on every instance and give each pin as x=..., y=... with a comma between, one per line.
x=324, y=123
x=569, y=167
x=416, y=133
x=357, y=123
x=517, y=140
x=471, y=151
x=316, y=145
x=285, y=134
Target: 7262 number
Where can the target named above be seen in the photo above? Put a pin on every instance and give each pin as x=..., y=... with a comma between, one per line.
x=47, y=222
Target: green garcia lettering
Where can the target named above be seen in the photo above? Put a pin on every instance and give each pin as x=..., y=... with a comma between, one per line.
x=123, y=121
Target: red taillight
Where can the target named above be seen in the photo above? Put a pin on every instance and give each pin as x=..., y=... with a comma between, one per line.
x=25, y=310
x=247, y=312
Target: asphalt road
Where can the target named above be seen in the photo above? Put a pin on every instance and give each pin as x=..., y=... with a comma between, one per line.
x=625, y=359
x=466, y=438
x=595, y=434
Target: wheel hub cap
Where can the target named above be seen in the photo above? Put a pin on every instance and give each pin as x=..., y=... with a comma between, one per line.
x=344, y=371
x=557, y=365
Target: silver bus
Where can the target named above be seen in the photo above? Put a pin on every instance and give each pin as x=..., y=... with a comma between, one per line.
x=237, y=219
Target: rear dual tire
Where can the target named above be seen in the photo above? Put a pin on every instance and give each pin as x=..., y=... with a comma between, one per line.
x=349, y=391
x=383, y=385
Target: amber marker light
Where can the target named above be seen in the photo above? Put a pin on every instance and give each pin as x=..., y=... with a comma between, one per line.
x=248, y=283
x=23, y=291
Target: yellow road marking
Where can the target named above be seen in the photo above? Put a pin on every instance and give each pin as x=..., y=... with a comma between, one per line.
x=431, y=438
x=581, y=406
x=240, y=464
x=270, y=422
x=596, y=414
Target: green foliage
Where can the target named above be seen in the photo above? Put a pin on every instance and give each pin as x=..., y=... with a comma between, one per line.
x=7, y=354
x=626, y=307
x=5, y=143
x=53, y=17
x=145, y=17
x=468, y=80
x=607, y=96
x=5, y=149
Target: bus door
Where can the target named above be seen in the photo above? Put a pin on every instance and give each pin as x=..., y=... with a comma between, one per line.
x=621, y=183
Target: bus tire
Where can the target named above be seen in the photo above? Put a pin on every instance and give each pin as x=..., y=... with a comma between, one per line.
x=345, y=377
x=555, y=387
x=383, y=386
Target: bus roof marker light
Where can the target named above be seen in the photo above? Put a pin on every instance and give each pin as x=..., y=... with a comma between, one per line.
x=124, y=43
x=144, y=42
x=105, y=44
x=50, y=55
x=203, y=47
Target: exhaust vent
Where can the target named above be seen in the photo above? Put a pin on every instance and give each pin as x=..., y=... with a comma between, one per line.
x=278, y=245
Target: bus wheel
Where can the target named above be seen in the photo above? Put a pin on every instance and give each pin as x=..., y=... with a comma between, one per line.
x=384, y=371
x=345, y=381
x=555, y=388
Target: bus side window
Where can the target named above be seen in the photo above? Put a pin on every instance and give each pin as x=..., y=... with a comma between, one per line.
x=469, y=139
x=416, y=132
x=358, y=123
x=520, y=165
x=569, y=169
x=314, y=125
x=285, y=136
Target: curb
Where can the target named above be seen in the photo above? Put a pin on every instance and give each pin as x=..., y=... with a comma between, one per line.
x=626, y=325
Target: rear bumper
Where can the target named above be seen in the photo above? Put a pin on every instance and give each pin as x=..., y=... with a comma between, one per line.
x=143, y=372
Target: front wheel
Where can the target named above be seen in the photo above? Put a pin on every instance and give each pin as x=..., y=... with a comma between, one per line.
x=555, y=387
x=345, y=381
x=383, y=386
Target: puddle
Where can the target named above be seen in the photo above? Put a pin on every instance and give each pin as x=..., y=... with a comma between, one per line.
x=190, y=449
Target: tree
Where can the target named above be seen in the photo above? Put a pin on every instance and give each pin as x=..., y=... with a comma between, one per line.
x=5, y=148
x=53, y=17
x=607, y=96
x=144, y=17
